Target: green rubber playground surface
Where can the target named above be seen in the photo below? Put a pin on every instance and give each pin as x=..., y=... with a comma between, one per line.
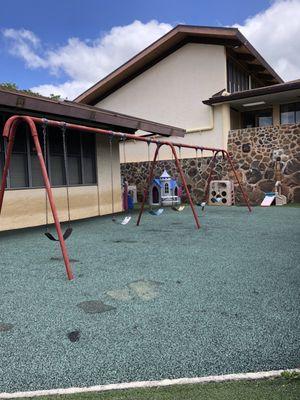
x=159, y=301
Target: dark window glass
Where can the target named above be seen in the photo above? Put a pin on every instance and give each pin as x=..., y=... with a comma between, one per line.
x=19, y=161
x=88, y=157
x=36, y=174
x=1, y=156
x=290, y=113
x=57, y=170
x=25, y=168
x=256, y=118
x=2, y=152
x=74, y=157
x=237, y=78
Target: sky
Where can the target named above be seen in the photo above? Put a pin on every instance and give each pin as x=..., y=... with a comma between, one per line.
x=65, y=46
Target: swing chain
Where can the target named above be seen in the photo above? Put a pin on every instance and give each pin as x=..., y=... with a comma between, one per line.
x=111, y=174
x=63, y=130
x=148, y=191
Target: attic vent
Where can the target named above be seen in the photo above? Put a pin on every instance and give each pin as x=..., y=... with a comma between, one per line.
x=20, y=101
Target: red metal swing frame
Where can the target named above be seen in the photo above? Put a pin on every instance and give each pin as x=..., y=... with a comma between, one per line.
x=9, y=133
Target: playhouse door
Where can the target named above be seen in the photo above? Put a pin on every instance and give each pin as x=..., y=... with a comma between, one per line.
x=155, y=195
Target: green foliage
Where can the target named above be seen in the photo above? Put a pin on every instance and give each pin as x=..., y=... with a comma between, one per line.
x=8, y=85
x=14, y=87
x=290, y=375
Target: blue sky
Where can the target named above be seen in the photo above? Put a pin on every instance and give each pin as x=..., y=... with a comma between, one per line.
x=52, y=24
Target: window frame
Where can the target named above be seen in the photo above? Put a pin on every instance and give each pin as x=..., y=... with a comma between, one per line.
x=255, y=115
x=29, y=163
x=294, y=111
x=167, y=185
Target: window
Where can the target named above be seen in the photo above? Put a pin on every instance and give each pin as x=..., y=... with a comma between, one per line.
x=237, y=78
x=290, y=113
x=74, y=157
x=166, y=188
x=1, y=155
x=2, y=152
x=56, y=159
x=25, y=168
x=18, y=171
x=88, y=158
x=36, y=174
x=257, y=118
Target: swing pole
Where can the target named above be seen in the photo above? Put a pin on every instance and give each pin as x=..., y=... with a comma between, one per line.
x=211, y=165
x=11, y=139
x=185, y=185
x=149, y=180
x=121, y=135
x=246, y=198
x=9, y=132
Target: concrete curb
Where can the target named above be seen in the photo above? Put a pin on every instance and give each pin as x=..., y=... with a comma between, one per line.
x=149, y=384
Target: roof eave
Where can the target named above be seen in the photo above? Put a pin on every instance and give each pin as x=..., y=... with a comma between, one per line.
x=158, y=50
x=22, y=103
x=281, y=87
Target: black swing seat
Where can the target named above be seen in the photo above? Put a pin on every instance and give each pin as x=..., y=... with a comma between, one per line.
x=66, y=235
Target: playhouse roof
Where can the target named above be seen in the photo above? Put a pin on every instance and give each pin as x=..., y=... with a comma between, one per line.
x=157, y=182
x=165, y=175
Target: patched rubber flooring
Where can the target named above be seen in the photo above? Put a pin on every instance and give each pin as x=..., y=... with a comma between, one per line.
x=162, y=300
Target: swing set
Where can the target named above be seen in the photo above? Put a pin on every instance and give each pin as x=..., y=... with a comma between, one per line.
x=9, y=132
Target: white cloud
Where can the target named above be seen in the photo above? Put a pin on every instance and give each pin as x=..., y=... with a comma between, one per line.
x=67, y=90
x=25, y=44
x=275, y=34
x=84, y=62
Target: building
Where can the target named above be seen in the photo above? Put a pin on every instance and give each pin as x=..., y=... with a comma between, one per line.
x=88, y=158
x=215, y=85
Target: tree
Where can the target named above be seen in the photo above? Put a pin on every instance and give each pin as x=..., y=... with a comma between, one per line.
x=14, y=87
x=8, y=85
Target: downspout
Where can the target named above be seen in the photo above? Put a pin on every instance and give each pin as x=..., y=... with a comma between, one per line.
x=206, y=128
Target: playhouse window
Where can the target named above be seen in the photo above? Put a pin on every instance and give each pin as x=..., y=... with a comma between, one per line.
x=167, y=189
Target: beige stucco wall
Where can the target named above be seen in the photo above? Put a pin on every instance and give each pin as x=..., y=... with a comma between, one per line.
x=26, y=207
x=217, y=137
x=172, y=91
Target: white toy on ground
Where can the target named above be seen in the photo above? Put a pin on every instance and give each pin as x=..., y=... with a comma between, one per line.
x=274, y=198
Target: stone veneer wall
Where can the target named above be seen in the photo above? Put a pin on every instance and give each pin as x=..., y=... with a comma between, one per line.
x=265, y=155
x=261, y=156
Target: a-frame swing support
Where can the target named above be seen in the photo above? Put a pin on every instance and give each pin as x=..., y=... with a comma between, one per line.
x=9, y=133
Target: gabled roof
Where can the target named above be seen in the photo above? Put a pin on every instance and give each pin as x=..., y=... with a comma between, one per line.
x=165, y=175
x=173, y=40
x=262, y=91
x=68, y=111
